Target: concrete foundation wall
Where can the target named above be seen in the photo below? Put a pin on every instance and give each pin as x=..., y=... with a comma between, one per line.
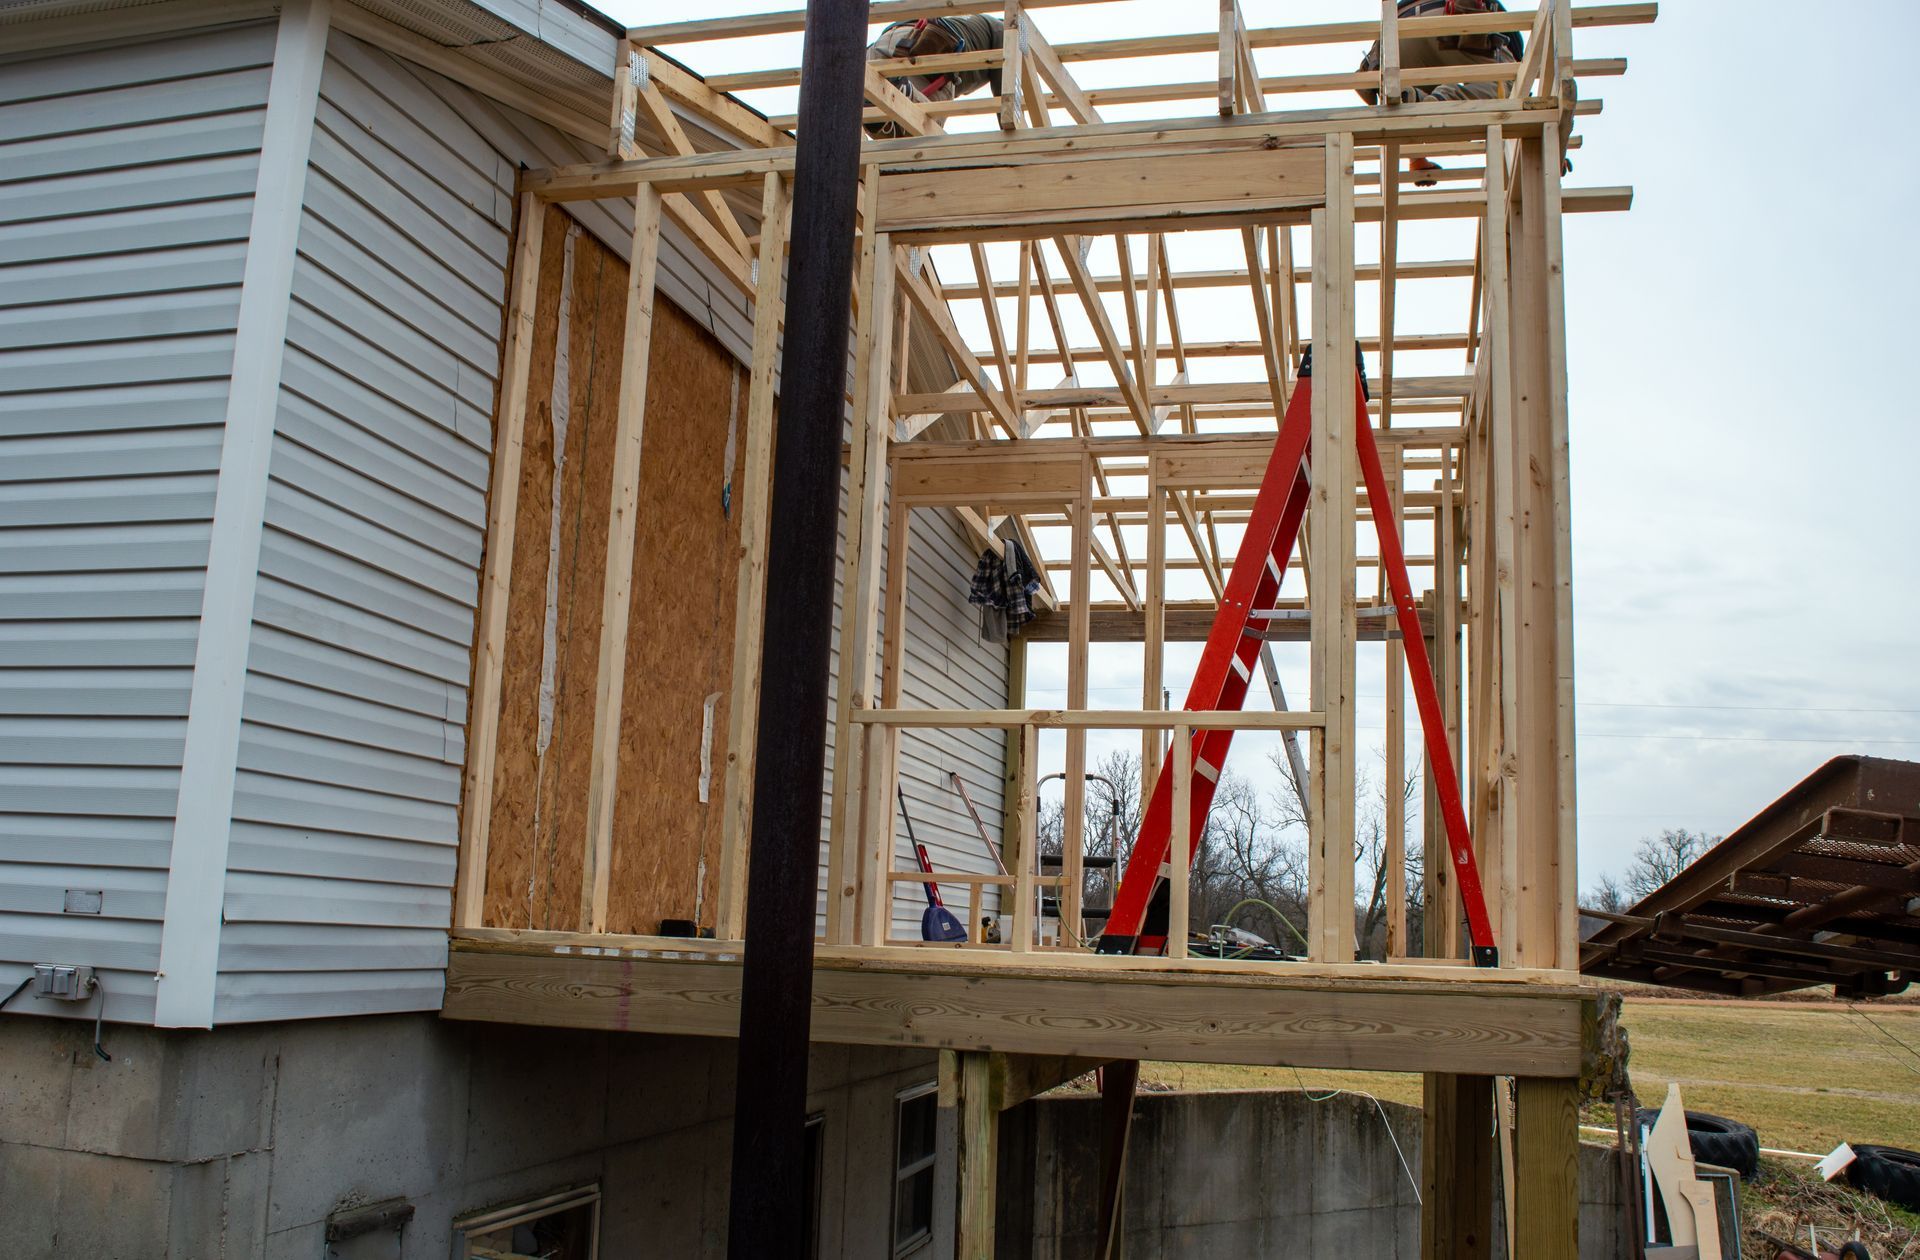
x=243, y=1141
x=1241, y=1174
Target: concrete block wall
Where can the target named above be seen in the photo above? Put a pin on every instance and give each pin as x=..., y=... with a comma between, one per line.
x=242, y=1142
x=1254, y=1173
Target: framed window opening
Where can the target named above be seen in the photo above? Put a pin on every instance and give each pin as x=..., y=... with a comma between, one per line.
x=564, y=1225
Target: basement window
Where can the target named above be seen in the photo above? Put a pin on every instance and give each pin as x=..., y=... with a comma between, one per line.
x=560, y=1226
x=915, y=1123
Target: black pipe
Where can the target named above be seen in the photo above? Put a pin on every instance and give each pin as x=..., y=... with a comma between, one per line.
x=770, y=1091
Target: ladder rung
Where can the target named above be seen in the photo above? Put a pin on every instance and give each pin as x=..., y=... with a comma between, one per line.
x=1212, y=773
x=1241, y=668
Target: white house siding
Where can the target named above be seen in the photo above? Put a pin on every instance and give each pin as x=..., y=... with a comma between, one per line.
x=126, y=185
x=126, y=181
x=345, y=807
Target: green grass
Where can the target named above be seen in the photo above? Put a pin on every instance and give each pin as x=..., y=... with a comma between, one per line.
x=1805, y=1077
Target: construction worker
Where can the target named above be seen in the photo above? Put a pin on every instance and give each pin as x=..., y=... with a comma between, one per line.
x=931, y=37
x=1490, y=48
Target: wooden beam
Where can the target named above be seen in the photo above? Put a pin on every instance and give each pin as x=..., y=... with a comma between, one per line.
x=938, y=317
x=861, y=570
x=711, y=106
x=623, y=521
x=756, y=488
x=660, y=116
x=986, y=1000
x=490, y=640
x=1546, y=1145
x=901, y=110
x=1456, y=1167
x=1096, y=311
x=978, y=1157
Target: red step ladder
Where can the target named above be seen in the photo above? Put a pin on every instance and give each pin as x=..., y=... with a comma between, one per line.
x=1137, y=923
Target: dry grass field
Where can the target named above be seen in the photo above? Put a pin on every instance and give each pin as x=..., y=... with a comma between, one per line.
x=1807, y=1076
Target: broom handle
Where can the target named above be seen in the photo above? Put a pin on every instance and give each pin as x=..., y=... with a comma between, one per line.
x=919, y=851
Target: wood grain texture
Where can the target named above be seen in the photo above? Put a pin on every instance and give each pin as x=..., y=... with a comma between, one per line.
x=681, y=614
x=1405, y=1026
x=680, y=636
x=1456, y=1167
x=533, y=860
x=1546, y=1151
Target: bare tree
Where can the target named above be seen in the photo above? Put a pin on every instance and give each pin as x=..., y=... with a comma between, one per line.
x=1606, y=894
x=1659, y=858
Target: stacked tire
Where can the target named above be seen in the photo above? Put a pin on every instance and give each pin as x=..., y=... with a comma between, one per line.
x=1886, y=1172
x=1715, y=1140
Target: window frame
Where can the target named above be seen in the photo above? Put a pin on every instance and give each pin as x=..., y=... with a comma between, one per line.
x=924, y=1165
x=474, y=1223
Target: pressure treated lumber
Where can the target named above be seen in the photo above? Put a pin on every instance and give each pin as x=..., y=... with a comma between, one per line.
x=950, y=1000
x=1546, y=1151
x=1456, y=1167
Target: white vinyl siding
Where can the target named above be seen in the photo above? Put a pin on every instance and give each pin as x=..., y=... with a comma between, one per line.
x=126, y=189
x=126, y=186
x=352, y=741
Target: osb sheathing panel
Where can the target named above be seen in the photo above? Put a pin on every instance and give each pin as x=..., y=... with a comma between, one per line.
x=681, y=625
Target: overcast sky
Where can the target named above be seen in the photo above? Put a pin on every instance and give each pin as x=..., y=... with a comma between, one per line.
x=1744, y=515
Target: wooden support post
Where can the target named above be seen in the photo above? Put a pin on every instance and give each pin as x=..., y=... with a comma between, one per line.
x=483, y=736
x=1118, y=1082
x=979, y=1157
x=860, y=584
x=1180, y=851
x=1511, y=759
x=1547, y=880
x=1546, y=1160
x=1073, y=841
x=1013, y=66
x=1440, y=909
x=1394, y=847
x=1014, y=771
x=1153, y=669
x=1389, y=52
x=623, y=520
x=1229, y=61
x=1456, y=1168
x=1333, y=509
x=878, y=816
x=756, y=484
x=1023, y=855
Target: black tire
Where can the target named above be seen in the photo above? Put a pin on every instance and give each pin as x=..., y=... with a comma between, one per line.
x=1715, y=1140
x=1887, y=1172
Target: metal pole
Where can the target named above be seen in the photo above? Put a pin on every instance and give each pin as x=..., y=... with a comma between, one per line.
x=770, y=1091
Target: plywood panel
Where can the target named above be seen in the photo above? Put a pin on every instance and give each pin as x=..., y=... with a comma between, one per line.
x=533, y=870
x=681, y=621
x=680, y=639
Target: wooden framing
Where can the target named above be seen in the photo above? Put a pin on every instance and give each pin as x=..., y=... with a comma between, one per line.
x=1127, y=481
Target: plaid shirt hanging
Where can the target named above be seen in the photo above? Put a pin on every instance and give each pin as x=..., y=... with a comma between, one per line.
x=1003, y=586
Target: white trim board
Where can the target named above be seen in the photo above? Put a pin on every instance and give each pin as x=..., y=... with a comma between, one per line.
x=203, y=819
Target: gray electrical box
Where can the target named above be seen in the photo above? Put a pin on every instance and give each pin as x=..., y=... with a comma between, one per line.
x=63, y=982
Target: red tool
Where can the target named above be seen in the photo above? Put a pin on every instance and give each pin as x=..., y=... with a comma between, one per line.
x=1138, y=922
x=937, y=923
